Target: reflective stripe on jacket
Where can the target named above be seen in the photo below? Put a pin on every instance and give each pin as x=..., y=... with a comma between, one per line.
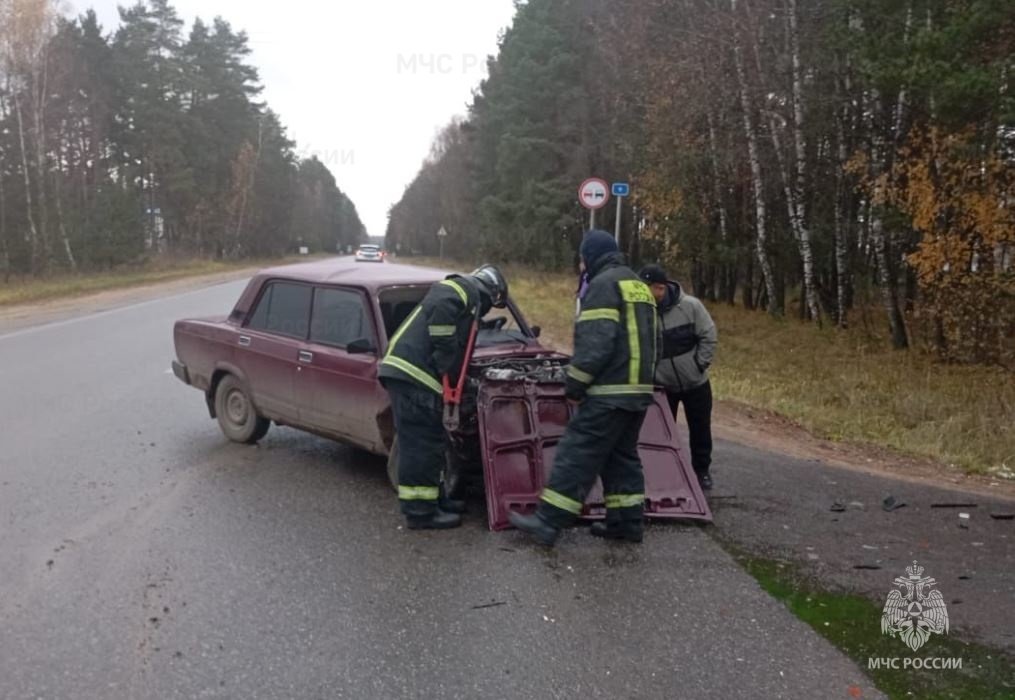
x=615, y=338
x=431, y=342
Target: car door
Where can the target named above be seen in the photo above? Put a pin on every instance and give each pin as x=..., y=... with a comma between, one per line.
x=270, y=343
x=337, y=379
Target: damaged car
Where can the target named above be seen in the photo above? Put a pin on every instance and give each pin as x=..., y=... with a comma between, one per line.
x=302, y=347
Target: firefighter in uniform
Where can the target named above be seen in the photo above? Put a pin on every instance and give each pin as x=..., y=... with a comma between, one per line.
x=611, y=377
x=430, y=344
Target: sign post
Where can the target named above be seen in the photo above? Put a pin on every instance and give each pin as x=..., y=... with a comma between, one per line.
x=441, y=235
x=593, y=194
x=620, y=190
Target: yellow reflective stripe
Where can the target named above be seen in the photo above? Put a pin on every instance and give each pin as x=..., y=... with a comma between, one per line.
x=414, y=372
x=625, y=500
x=458, y=288
x=418, y=493
x=404, y=327
x=442, y=331
x=620, y=389
x=634, y=343
x=636, y=292
x=583, y=377
x=561, y=501
x=600, y=315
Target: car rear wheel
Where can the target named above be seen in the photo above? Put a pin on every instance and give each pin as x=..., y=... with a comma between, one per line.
x=236, y=413
x=451, y=475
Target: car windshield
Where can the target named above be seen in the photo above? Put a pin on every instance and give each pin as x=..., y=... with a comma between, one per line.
x=498, y=327
x=369, y=248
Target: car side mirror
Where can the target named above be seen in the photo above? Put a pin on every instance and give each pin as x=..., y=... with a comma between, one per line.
x=536, y=331
x=360, y=346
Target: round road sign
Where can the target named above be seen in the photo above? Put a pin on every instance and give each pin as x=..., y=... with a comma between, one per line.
x=594, y=193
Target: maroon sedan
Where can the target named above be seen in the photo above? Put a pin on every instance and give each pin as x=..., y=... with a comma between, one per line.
x=302, y=348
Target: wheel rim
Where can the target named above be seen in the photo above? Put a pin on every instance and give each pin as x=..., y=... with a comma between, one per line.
x=237, y=407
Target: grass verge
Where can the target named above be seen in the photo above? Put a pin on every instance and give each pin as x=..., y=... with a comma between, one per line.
x=25, y=290
x=850, y=385
x=853, y=624
x=841, y=385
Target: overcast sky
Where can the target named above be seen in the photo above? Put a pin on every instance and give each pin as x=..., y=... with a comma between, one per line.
x=363, y=84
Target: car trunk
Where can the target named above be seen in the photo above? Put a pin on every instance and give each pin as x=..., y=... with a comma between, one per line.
x=512, y=418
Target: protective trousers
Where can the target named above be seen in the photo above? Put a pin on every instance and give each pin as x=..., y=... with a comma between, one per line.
x=419, y=426
x=601, y=440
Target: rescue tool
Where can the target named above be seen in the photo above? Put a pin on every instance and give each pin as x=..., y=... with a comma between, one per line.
x=453, y=395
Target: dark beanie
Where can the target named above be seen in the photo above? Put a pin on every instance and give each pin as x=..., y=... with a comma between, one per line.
x=595, y=245
x=653, y=274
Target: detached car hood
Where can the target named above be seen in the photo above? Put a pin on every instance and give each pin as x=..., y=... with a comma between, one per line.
x=520, y=425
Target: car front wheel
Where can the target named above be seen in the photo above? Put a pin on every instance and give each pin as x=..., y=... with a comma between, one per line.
x=236, y=413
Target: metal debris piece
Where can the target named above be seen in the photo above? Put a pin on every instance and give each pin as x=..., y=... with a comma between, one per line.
x=489, y=605
x=891, y=503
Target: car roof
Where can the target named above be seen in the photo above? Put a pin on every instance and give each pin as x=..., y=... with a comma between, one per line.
x=368, y=245
x=347, y=271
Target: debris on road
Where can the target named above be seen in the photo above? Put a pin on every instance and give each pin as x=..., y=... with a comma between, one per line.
x=494, y=604
x=1003, y=516
x=891, y=503
x=837, y=507
x=964, y=520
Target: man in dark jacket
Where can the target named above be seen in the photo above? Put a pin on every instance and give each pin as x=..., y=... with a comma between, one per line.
x=610, y=376
x=689, y=340
x=429, y=345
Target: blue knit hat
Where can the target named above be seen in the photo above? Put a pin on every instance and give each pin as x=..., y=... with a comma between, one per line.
x=595, y=245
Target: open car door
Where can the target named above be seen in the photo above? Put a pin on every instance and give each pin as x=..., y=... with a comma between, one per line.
x=520, y=425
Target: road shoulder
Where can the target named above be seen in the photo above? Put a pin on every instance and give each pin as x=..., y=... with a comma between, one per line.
x=21, y=316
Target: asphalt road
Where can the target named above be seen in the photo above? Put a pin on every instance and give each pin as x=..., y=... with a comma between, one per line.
x=786, y=509
x=144, y=556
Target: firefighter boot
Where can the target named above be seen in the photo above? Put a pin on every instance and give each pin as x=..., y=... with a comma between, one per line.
x=451, y=505
x=632, y=531
x=438, y=520
x=544, y=533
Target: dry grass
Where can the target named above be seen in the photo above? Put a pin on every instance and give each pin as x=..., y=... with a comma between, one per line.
x=841, y=385
x=845, y=385
x=24, y=290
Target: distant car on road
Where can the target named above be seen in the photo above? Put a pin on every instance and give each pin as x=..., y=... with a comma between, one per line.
x=370, y=253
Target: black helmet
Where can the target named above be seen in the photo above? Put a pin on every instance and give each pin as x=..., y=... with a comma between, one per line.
x=493, y=282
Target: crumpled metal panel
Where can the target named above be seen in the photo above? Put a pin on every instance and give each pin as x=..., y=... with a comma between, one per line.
x=520, y=424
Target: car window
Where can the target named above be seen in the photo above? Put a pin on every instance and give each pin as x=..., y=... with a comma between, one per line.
x=339, y=318
x=396, y=305
x=284, y=308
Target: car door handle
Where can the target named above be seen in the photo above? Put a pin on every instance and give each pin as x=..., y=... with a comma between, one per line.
x=306, y=356
x=244, y=340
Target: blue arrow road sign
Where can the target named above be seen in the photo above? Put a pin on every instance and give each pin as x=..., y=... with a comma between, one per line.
x=621, y=189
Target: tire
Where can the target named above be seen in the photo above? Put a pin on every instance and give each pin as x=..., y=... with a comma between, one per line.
x=451, y=475
x=237, y=416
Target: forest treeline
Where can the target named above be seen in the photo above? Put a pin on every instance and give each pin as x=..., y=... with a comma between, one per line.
x=799, y=157
x=122, y=145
